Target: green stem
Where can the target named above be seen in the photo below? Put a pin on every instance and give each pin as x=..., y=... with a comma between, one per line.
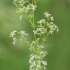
x=27, y=18
x=32, y=23
x=45, y=37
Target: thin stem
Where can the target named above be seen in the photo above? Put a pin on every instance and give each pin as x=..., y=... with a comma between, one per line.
x=26, y=43
x=45, y=38
x=32, y=23
x=27, y=18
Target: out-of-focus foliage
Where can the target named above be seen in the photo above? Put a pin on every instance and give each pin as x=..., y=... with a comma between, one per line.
x=57, y=45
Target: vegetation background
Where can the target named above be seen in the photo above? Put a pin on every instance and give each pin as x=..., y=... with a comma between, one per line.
x=57, y=45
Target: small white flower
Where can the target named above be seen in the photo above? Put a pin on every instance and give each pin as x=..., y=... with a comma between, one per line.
x=40, y=46
x=14, y=42
x=32, y=58
x=32, y=46
x=20, y=17
x=39, y=29
x=41, y=21
x=14, y=1
x=23, y=33
x=35, y=32
x=51, y=32
x=43, y=53
x=14, y=39
x=34, y=7
x=44, y=63
x=52, y=18
x=38, y=66
x=47, y=14
x=31, y=7
x=38, y=39
x=12, y=33
x=28, y=7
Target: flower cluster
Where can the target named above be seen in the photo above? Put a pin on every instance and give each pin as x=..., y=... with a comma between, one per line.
x=41, y=29
x=50, y=24
x=52, y=27
x=15, y=39
x=23, y=6
x=36, y=62
x=46, y=26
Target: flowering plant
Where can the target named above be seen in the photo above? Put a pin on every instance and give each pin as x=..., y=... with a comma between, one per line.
x=41, y=30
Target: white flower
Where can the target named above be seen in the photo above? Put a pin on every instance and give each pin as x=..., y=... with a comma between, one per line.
x=52, y=18
x=39, y=29
x=23, y=33
x=31, y=48
x=14, y=42
x=41, y=21
x=40, y=46
x=32, y=58
x=34, y=7
x=51, y=32
x=35, y=32
x=39, y=65
x=31, y=7
x=52, y=27
x=14, y=39
x=43, y=54
x=28, y=7
x=47, y=14
x=20, y=17
x=12, y=33
x=14, y=1
x=36, y=63
x=44, y=63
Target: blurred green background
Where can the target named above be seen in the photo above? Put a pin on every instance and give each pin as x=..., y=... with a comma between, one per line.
x=58, y=45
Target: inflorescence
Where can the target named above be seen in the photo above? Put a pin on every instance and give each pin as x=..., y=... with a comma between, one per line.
x=41, y=30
